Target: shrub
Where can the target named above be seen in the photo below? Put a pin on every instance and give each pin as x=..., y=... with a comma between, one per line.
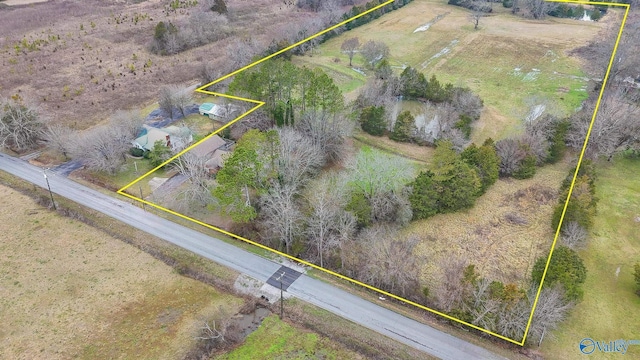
x=137, y=152
x=360, y=207
x=565, y=268
x=219, y=6
x=527, y=167
x=464, y=125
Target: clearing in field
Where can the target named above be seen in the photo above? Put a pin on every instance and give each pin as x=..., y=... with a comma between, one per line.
x=68, y=290
x=519, y=68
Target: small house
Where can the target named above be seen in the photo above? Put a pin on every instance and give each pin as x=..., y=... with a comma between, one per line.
x=215, y=149
x=222, y=113
x=172, y=136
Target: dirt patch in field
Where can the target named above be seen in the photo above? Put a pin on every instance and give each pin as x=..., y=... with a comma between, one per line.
x=68, y=290
x=503, y=234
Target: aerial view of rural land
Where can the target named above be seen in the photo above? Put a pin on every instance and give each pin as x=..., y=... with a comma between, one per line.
x=319, y=179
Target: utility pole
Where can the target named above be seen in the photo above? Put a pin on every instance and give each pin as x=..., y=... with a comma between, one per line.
x=281, y=297
x=135, y=163
x=44, y=172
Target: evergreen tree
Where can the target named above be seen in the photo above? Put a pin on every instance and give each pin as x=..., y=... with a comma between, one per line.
x=423, y=197
x=557, y=140
x=527, y=167
x=436, y=92
x=581, y=207
x=159, y=154
x=279, y=114
x=486, y=162
x=360, y=207
x=456, y=182
x=372, y=120
x=565, y=268
x=405, y=128
x=414, y=84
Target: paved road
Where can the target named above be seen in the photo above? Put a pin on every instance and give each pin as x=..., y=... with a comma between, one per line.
x=339, y=302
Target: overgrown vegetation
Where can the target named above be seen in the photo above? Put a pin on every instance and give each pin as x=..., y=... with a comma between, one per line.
x=21, y=126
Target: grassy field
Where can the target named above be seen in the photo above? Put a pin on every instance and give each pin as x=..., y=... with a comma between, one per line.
x=484, y=235
x=510, y=61
x=123, y=177
x=68, y=290
x=609, y=310
x=342, y=333
x=276, y=339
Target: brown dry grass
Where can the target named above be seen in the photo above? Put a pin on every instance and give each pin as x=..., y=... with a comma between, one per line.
x=83, y=77
x=23, y=2
x=484, y=236
x=69, y=290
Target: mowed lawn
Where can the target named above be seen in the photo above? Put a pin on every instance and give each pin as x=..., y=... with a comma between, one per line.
x=511, y=62
x=68, y=290
x=610, y=310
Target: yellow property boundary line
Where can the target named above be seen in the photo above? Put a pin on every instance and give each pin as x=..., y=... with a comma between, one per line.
x=258, y=104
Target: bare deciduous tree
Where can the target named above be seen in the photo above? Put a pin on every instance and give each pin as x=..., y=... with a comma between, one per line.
x=391, y=207
x=475, y=17
x=465, y=102
x=513, y=318
x=103, y=148
x=615, y=128
x=328, y=132
x=374, y=51
x=241, y=51
x=573, y=235
x=536, y=9
x=350, y=47
x=281, y=216
x=377, y=92
x=378, y=265
x=174, y=97
x=299, y=157
x=21, y=127
x=329, y=225
x=451, y=291
x=483, y=306
x=511, y=154
x=59, y=138
x=551, y=309
x=193, y=167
